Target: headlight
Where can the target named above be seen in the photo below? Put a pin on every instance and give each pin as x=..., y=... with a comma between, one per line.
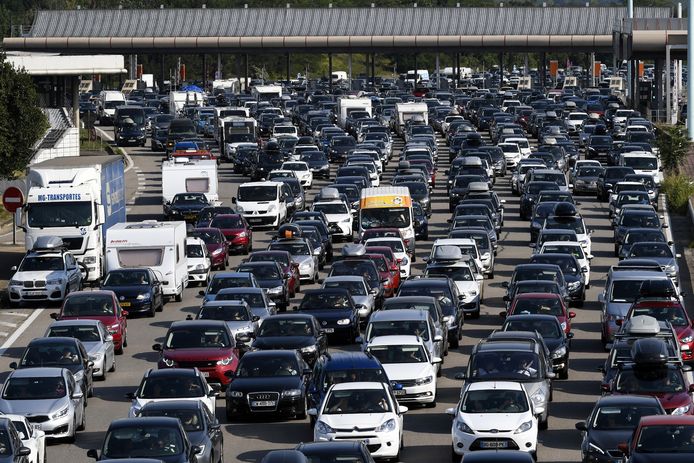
x=527, y=426
x=291, y=393
x=96, y=358
x=225, y=361
x=471, y=293
x=388, y=426
x=113, y=329
x=575, y=284
x=687, y=339
x=347, y=220
x=305, y=265
x=272, y=208
x=323, y=428
x=60, y=413
x=78, y=376
x=559, y=352
x=308, y=349
x=57, y=281
x=404, y=261
x=235, y=394
x=463, y=427
x=424, y=380
x=670, y=269
x=681, y=410
x=89, y=260
x=539, y=398
x=168, y=362
x=244, y=234
x=344, y=321
x=217, y=251
x=275, y=290
x=199, y=267
x=486, y=256
x=16, y=283
x=563, y=326
x=594, y=448
x=142, y=297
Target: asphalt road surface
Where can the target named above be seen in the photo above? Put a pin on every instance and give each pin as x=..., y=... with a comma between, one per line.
x=427, y=431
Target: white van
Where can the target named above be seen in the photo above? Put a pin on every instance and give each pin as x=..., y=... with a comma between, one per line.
x=263, y=203
x=160, y=246
x=109, y=100
x=643, y=162
x=183, y=175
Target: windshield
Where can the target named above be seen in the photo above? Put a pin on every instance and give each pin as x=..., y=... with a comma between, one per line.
x=280, y=258
x=356, y=288
x=548, y=329
x=649, y=381
x=63, y=355
x=190, y=419
x=674, y=314
x=69, y=214
x=194, y=338
x=452, y=272
x=223, y=312
x=639, y=220
x=89, y=305
x=386, y=217
x=536, y=305
x=257, y=193
x=657, y=250
x=41, y=263
x=299, y=248
x=670, y=438
x=576, y=251
x=262, y=271
x=399, y=354
x=264, y=366
x=325, y=300
x=220, y=283
x=624, y=417
x=189, y=200
x=566, y=223
x=254, y=299
x=86, y=333
x=589, y=172
x=143, y=442
x=398, y=327
x=36, y=388
x=331, y=208
x=356, y=401
x=641, y=163
x=494, y=401
x=625, y=290
x=274, y=327
x=505, y=365
x=127, y=278
x=227, y=222
x=195, y=250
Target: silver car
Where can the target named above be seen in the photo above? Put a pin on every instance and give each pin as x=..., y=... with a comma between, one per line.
x=237, y=314
x=659, y=252
x=94, y=337
x=48, y=397
x=363, y=296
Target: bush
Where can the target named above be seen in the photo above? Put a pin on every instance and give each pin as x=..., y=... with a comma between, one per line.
x=678, y=189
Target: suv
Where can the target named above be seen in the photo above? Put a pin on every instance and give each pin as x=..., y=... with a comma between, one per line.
x=47, y=273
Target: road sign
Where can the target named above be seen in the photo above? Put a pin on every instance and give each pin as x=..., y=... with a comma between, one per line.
x=12, y=199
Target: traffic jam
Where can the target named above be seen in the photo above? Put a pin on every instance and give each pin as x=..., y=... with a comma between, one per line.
x=347, y=264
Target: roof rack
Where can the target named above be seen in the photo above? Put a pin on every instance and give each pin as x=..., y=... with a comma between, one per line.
x=646, y=327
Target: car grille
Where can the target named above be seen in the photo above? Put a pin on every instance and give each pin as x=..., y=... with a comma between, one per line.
x=201, y=364
x=35, y=284
x=37, y=418
x=406, y=382
x=501, y=443
x=355, y=429
x=74, y=243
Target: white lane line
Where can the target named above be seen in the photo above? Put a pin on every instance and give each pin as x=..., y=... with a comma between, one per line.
x=128, y=209
x=19, y=331
x=16, y=314
x=129, y=160
x=8, y=324
x=4, y=334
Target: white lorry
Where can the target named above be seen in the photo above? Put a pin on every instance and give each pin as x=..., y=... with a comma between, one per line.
x=75, y=198
x=410, y=113
x=182, y=175
x=109, y=100
x=180, y=99
x=346, y=105
x=266, y=92
x=233, y=131
x=160, y=246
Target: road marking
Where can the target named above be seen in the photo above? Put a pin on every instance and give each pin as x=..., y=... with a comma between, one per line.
x=16, y=314
x=8, y=324
x=19, y=331
x=4, y=334
x=128, y=209
x=130, y=163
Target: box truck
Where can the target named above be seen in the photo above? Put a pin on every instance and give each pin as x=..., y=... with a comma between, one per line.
x=76, y=198
x=160, y=246
x=183, y=175
x=180, y=99
x=347, y=105
x=410, y=113
x=266, y=92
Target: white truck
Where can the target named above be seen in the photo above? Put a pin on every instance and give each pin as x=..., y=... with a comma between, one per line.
x=180, y=99
x=182, y=175
x=410, y=113
x=78, y=199
x=226, y=86
x=266, y=92
x=233, y=131
x=109, y=100
x=346, y=105
x=160, y=246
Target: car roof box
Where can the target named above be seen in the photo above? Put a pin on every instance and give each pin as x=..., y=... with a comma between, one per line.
x=642, y=325
x=446, y=252
x=289, y=230
x=565, y=209
x=478, y=187
x=649, y=351
x=353, y=250
x=48, y=243
x=328, y=194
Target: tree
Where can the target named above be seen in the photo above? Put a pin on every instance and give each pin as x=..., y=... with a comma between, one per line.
x=673, y=143
x=21, y=121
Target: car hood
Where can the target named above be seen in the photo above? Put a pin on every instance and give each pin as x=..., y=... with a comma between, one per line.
x=32, y=407
x=503, y=422
x=187, y=207
x=356, y=420
x=402, y=371
x=128, y=291
x=270, y=283
x=609, y=439
x=106, y=320
x=366, y=301
x=328, y=314
x=270, y=384
x=92, y=348
x=283, y=342
x=234, y=231
x=39, y=275
x=201, y=354
x=302, y=259
x=659, y=457
x=587, y=179
x=240, y=326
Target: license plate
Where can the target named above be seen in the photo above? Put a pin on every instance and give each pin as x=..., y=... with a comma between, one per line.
x=125, y=304
x=263, y=403
x=133, y=140
x=493, y=445
x=206, y=374
x=329, y=330
x=37, y=426
x=33, y=293
x=399, y=392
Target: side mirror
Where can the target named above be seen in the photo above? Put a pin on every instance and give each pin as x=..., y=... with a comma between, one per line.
x=436, y=360
x=438, y=338
x=54, y=316
x=581, y=426
x=538, y=411
x=165, y=283
x=506, y=299
x=504, y=284
x=196, y=449
x=201, y=293
x=589, y=257
x=13, y=268
x=23, y=451
x=402, y=409
x=312, y=412
x=13, y=365
x=243, y=338
x=108, y=338
x=93, y=453
x=572, y=314
x=306, y=372
x=189, y=317
x=130, y=395
x=157, y=347
x=479, y=277
x=451, y=411
x=678, y=256
x=601, y=297
x=665, y=226
x=255, y=318
x=77, y=394
x=460, y=376
x=233, y=200
x=570, y=335
x=605, y=387
x=691, y=388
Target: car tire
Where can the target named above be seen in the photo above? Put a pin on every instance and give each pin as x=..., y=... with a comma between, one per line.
x=542, y=425
x=119, y=350
x=230, y=417
x=125, y=338
x=113, y=365
x=431, y=404
x=71, y=438
x=564, y=374
x=454, y=456
x=179, y=297
x=302, y=415
x=83, y=424
x=152, y=312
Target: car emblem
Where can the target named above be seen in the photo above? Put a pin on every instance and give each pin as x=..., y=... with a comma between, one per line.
x=122, y=298
x=355, y=429
x=494, y=431
x=324, y=322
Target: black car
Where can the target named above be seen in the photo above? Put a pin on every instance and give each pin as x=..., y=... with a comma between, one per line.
x=284, y=456
x=637, y=218
x=160, y=438
x=267, y=161
x=609, y=178
x=529, y=196
x=270, y=277
x=179, y=129
x=340, y=146
x=60, y=352
x=498, y=456
x=612, y=421
x=11, y=443
x=363, y=267
x=540, y=212
x=335, y=310
x=185, y=206
x=420, y=194
x=130, y=134
x=534, y=272
x=300, y=332
x=206, y=214
x=421, y=222
x=450, y=300
x=348, y=451
x=298, y=202
x=572, y=270
x=138, y=290
x=598, y=145
x=317, y=163
x=557, y=341
x=586, y=179
x=269, y=382
x=638, y=235
x=160, y=131
x=198, y=422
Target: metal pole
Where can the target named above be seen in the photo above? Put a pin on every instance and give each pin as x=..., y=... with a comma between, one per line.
x=668, y=90
x=288, y=69
x=76, y=101
x=630, y=96
x=457, y=69
x=349, y=70
x=373, y=69
x=330, y=71
x=245, y=74
x=690, y=70
x=438, y=71
x=204, y=71
x=14, y=227
x=218, y=75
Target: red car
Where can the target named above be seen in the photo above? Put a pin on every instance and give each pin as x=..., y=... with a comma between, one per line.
x=99, y=305
x=542, y=304
x=660, y=437
x=392, y=266
x=236, y=230
x=217, y=246
x=670, y=310
x=290, y=269
x=206, y=344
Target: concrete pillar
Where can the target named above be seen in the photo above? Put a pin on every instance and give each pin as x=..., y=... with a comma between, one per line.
x=218, y=73
x=162, y=74
x=658, y=81
x=542, y=69
x=245, y=73
x=330, y=72
x=415, y=69
x=438, y=72
x=349, y=70
x=373, y=69
x=75, y=87
x=204, y=71
x=457, y=69
x=668, y=88
x=501, y=69
x=288, y=68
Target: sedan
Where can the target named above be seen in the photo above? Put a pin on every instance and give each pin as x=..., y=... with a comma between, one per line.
x=289, y=268
x=300, y=332
x=94, y=337
x=217, y=245
x=335, y=310
x=32, y=438
x=236, y=230
x=270, y=277
x=137, y=289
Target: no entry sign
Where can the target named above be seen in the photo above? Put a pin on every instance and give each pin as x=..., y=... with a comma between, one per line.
x=12, y=199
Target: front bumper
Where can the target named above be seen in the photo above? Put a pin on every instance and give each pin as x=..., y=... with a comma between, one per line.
x=215, y=374
x=262, y=219
x=54, y=428
x=283, y=406
x=136, y=305
x=198, y=275
x=52, y=293
x=380, y=444
x=423, y=394
x=526, y=441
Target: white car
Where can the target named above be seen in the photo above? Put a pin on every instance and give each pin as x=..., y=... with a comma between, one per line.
x=95, y=338
x=574, y=248
x=373, y=171
x=494, y=415
x=302, y=255
x=303, y=172
x=281, y=173
x=199, y=263
x=361, y=411
x=523, y=145
x=399, y=250
x=582, y=163
x=512, y=153
x=574, y=122
x=32, y=438
x=410, y=368
x=339, y=215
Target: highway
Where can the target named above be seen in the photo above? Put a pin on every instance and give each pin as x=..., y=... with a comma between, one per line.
x=427, y=435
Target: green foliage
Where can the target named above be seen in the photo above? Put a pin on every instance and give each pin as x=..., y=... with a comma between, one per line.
x=678, y=189
x=21, y=121
x=674, y=144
